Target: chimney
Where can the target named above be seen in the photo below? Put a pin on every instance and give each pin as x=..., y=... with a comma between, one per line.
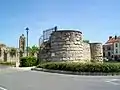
x=110, y=37
x=115, y=37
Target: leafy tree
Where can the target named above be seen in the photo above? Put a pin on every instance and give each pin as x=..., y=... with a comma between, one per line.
x=12, y=51
x=32, y=50
x=86, y=41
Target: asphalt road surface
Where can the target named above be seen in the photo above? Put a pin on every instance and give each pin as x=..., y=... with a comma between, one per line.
x=36, y=80
x=3, y=67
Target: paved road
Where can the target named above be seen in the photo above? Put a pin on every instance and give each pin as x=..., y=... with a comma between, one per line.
x=3, y=67
x=34, y=80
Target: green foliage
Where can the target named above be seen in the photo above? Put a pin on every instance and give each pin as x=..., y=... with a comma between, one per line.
x=12, y=51
x=32, y=50
x=82, y=67
x=86, y=41
x=28, y=61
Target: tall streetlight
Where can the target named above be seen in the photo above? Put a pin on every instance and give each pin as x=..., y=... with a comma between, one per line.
x=27, y=29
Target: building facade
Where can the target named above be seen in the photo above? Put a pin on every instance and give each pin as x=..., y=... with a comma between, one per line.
x=111, y=49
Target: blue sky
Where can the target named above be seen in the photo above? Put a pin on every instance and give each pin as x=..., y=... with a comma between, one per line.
x=96, y=19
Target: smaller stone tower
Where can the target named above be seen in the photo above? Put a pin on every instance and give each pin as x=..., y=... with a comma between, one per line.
x=96, y=52
x=22, y=44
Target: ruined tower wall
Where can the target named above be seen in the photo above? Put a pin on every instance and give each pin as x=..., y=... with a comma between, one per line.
x=2, y=49
x=67, y=46
x=86, y=52
x=96, y=52
x=5, y=55
x=22, y=43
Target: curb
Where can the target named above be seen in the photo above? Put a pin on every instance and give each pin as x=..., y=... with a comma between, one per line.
x=76, y=73
x=22, y=68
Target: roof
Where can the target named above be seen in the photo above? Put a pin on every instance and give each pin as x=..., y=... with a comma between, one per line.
x=108, y=44
x=113, y=40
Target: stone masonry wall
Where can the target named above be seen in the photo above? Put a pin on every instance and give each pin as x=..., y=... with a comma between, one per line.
x=2, y=49
x=96, y=52
x=67, y=46
x=86, y=52
x=5, y=55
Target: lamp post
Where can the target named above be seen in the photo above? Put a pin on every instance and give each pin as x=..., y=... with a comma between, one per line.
x=27, y=29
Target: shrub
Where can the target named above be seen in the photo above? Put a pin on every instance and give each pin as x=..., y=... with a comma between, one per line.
x=82, y=67
x=28, y=61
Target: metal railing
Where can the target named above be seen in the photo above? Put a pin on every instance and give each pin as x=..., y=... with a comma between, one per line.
x=46, y=35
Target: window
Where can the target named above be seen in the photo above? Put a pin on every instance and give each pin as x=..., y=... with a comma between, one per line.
x=108, y=53
x=116, y=51
x=116, y=45
x=112, y=56
x=103, y=54
x=109, y=48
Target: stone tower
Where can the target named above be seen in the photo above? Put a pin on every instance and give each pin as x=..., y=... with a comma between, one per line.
x=65, y=45
x=68, y=45
x=96, y=52
x=22, y=43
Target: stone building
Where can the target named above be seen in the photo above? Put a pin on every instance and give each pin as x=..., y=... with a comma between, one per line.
x=68, y=45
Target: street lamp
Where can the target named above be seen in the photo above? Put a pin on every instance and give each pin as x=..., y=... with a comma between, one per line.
x=27, y=29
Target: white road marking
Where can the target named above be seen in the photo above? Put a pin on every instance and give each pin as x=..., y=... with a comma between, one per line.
x=112, y=81
x=1, y=88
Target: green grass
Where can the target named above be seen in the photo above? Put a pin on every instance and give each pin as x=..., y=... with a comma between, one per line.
x=8, y=63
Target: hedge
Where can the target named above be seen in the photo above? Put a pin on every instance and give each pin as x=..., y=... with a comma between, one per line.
x=28, y=61
x=82, y=67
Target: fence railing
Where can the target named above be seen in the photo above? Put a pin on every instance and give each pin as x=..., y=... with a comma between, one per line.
x=46, y=35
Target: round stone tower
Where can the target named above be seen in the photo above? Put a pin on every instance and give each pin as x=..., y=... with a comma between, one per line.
x=96, y=52
x=66, y=45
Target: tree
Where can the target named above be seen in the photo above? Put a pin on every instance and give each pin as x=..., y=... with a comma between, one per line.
x=32, y=50
x=86, y=41
x=12, y=52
